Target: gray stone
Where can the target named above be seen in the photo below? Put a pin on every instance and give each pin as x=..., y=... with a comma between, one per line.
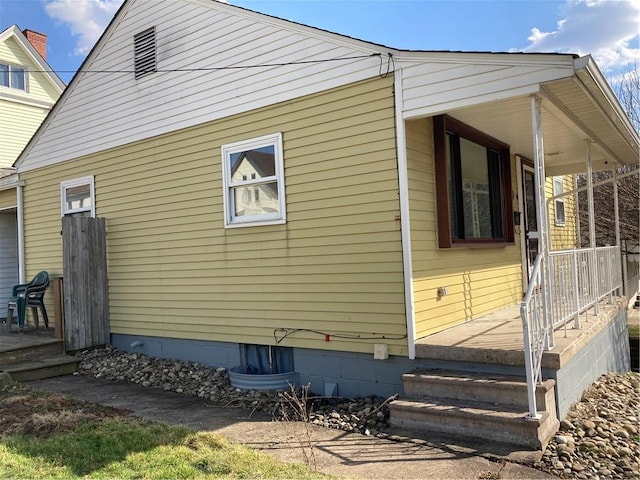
x=5, y=378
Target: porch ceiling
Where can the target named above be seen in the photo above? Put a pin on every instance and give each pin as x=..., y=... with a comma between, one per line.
x=571, y=114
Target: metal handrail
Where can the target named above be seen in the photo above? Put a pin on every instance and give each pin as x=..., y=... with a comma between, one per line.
x=531, y=308
x=561, y=289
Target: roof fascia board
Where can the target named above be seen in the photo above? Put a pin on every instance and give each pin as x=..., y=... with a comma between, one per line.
x=587, y=65
x=67, y=91
x=46, y=70
x=487, y=58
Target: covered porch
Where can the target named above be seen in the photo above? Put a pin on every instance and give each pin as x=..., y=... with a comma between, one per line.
x=567, y=125
x=558, y=118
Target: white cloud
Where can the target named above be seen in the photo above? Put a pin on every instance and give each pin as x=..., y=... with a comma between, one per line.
x=609, y=30
x=86, y=19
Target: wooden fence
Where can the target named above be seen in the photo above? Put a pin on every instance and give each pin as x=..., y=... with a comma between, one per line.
x=86, y=296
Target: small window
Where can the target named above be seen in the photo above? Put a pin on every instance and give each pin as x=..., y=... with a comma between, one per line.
x=77, y=197
x=144, y=53
x=13, y=77
x=558, y=203
x=473, y=186
x=254, y=166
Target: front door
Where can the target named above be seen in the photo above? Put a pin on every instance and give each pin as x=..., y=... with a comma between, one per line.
x=530, y=215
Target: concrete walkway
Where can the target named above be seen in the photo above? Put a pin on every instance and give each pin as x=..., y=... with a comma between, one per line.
x=336, y=452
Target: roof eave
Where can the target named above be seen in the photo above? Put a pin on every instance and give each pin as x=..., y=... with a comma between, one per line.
x=601, y=89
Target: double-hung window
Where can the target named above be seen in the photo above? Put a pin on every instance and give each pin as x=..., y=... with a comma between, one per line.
x=253, y=180
x=13, y=77
x=558, y=203
x=473, y=186
x=77, y=197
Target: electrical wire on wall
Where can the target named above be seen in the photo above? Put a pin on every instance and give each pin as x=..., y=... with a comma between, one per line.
x=232, y=67
x=285, y=332
x=391, y=65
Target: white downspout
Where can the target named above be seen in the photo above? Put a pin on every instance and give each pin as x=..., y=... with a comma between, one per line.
x=20, y=213
x=405, y=224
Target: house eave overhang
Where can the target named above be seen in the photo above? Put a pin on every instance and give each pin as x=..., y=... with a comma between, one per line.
x=589, y=106
x=8, y=179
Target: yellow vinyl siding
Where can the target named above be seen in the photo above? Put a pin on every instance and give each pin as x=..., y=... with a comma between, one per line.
x=8, y=198
x=479, y=280
x=562, y=236
x=19, y=123
x=175, y=271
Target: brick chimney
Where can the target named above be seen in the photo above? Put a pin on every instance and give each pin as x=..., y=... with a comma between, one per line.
x=38, y=40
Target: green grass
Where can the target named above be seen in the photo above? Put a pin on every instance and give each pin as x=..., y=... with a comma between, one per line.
x=634, y=330
x=124, y=447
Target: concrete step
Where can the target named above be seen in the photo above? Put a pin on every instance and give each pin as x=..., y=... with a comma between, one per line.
x=487, y=407
x=475, y=420
x=42, y=367
x=22, y=353
x=469, y=387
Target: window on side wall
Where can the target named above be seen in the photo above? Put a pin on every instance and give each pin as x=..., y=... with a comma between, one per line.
x=558, y=203
x=473, y=186
x=77, y=197
x=253, y=180
x=12, y=76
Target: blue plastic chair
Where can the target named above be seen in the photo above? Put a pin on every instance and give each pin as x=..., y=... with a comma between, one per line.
x=28, y=295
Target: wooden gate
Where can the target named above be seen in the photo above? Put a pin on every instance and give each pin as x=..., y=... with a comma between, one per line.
x=86, y=295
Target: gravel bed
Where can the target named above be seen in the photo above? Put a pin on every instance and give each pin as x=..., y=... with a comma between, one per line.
x=362, y=415
x=599, y=439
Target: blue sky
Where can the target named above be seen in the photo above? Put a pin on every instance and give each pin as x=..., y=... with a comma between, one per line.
x=607, y=29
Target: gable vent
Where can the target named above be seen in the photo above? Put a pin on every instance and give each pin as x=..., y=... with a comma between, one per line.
x=144, y=52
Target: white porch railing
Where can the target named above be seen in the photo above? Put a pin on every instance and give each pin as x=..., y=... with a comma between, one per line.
x=578, y=280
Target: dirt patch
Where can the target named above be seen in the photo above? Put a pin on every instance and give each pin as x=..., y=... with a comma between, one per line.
x=23, y=411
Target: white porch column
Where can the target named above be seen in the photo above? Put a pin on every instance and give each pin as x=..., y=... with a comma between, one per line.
x=592, y=225
x=541, y=212
x=405, y=222
x=615, y=205
x=20, y=214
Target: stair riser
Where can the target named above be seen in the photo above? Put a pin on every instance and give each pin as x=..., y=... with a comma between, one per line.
x=523, y=432
x=43, y=372
x=30, y=353
x=508, y=394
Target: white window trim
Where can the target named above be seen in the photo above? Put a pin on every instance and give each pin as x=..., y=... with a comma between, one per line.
x=231, y=221
x=74, y=183
x=557, y=191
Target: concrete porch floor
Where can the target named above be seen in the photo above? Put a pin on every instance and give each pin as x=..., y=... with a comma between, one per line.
x=496, y=338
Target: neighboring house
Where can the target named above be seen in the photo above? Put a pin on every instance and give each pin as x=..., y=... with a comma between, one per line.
x=294, y=187
x=28, y=90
